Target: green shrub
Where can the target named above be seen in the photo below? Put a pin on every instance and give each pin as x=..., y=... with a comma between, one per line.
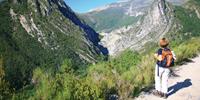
x=85, y=89
x=124, y=75
x=125, y=61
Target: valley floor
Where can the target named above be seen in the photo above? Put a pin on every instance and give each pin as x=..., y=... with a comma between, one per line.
x=185, y=87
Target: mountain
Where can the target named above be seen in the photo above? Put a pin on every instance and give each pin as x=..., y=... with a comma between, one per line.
x=158, y=19
x=153, y=25
x=125, y=12
x=43, y=33
x=116, y=15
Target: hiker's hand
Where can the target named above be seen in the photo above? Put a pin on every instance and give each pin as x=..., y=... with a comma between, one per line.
x=156, y=55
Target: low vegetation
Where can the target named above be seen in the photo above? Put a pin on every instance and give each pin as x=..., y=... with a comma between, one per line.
x=124, y=76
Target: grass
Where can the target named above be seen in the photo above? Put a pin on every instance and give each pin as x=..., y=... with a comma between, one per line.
x=188, y=49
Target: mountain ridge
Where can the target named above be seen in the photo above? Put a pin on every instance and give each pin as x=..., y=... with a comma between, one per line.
x=126, y=13
x=43, y=33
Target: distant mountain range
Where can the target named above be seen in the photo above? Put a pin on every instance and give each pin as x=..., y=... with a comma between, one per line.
x=119, y=14
x=116, y=15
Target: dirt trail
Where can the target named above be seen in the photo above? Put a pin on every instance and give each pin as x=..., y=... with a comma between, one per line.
x=185, y=87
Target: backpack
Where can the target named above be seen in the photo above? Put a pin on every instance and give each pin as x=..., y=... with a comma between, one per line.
x=167, y=58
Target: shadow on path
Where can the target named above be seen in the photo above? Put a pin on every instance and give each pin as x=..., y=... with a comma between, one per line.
x=186, y=61
x=179, y=85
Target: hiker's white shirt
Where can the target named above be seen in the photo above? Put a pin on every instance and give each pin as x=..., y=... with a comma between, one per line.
x=161, y=79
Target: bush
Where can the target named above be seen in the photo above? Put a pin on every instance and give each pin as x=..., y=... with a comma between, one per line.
x=124, y=75
x=85, y=89
x=48, y=85
x=125, y=61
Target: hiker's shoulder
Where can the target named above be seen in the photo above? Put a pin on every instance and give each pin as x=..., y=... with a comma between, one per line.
x=160, y=49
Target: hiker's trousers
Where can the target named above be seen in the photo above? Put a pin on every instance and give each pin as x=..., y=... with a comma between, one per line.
x=161, y=79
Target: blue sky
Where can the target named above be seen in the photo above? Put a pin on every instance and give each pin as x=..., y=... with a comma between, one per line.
x=82, y=6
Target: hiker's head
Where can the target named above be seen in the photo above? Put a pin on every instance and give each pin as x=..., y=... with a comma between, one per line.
x=163, y=43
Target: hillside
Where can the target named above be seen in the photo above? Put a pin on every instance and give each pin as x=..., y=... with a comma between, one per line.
x=43, y=33
x=116, y=15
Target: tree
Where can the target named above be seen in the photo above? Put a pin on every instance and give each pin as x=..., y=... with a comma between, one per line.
x=4, y=86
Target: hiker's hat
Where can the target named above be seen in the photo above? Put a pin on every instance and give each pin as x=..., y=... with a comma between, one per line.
x=164, y=42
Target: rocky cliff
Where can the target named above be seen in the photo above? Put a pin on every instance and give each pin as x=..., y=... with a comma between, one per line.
x=156, y=23
x=52, y=22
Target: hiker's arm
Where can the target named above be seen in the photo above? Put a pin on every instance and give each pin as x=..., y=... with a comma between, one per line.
x=174, y=56
x=158, y=57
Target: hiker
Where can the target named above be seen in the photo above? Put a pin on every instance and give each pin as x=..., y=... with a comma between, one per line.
x=165, y=60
